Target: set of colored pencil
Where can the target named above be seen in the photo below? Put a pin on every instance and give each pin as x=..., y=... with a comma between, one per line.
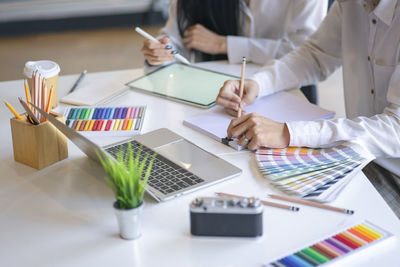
x=40, y=97
x=38, y=94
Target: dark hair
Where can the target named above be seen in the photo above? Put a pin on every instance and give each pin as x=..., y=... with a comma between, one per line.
x=219, y=16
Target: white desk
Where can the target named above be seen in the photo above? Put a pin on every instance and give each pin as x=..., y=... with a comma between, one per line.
x=63, y=216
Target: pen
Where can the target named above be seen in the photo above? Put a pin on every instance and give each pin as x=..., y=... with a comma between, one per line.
x=151, y=38
x=266, y=203
x=83, y=74
x=13, y=110
x=241, y=86
x=313, y=204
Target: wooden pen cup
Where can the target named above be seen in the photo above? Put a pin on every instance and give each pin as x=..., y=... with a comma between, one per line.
x=39, y=145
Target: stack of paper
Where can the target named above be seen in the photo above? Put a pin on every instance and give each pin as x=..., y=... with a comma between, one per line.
x=318, y=174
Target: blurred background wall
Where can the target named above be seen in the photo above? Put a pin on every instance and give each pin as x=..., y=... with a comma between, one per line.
x=96, y=35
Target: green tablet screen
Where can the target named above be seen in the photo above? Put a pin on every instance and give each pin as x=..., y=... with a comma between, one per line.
x=181, y=82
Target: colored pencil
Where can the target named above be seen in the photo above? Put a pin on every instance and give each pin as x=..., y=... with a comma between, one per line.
x=313, y=204
x=8, y=105
x=266, y=203
x=27, y=94
x=241, y=86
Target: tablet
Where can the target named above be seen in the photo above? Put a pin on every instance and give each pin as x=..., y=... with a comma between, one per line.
x=183, y=83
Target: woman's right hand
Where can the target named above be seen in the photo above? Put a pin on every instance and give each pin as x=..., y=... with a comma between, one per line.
x=157, y=54
x=228, y=96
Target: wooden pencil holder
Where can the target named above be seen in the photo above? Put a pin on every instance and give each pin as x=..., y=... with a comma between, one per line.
x=39, y=145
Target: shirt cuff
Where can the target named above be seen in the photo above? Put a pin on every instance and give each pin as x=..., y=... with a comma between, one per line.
x=304, y=133
x=263, y=79
x=237, y=49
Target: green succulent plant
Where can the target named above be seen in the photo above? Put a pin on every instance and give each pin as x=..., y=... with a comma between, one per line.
x=125, y=176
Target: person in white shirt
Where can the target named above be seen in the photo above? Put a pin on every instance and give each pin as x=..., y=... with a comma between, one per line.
x=364, y=37
x=260, y=30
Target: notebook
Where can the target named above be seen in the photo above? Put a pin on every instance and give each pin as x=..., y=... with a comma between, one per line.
x=281, y=107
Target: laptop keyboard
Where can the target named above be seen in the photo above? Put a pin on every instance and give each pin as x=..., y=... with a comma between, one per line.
x=165, y=176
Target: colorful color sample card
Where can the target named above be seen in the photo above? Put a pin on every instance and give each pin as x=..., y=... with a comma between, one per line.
x=336, y=247
x=306, y=172
x=105, y=121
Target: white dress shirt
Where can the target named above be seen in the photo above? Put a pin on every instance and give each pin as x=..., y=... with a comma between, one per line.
x=269, y=29
x=367, y=45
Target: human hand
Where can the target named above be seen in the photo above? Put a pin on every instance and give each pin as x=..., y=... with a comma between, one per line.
x=228, y=96
x=256, y=131
x=157, y=54
x=200, y=38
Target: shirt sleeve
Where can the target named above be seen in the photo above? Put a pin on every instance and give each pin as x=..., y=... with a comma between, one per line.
x=312, y=62
x=171, y=31
x=303, y=18
x=379, y=134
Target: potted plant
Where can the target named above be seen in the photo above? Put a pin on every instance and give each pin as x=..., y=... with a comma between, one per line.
x=127, y=177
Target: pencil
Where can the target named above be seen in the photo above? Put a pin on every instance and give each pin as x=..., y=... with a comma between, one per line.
x=313, y=204
x=241, y=85
x=13, y=110
x=29, y=111
x=266, y=203
x=28, y=97
x=83, y=74
x=49, y=100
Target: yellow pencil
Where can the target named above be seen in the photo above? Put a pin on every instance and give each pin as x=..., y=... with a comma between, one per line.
x=13, y=110
x=27, y=94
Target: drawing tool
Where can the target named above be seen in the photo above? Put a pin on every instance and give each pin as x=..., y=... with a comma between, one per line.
x=49, y=101
x=241, y=86
x=8, y=105
x=267, y=203
x=313, y=204
x=29, y=111
x=151, y=38
x=27, y=94
x=334, y=248
x=78, y=81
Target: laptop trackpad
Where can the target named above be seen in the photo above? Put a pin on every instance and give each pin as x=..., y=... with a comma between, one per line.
x=188, y=156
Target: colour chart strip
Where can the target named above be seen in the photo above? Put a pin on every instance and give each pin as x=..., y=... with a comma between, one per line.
x=336, y=247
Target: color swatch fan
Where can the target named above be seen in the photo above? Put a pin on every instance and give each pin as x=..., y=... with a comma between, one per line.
x=105, y=121
x=317, y=174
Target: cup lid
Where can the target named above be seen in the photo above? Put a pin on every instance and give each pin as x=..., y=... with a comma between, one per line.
x=46, y=68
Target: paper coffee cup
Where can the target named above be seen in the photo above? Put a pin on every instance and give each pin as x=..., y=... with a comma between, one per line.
x=49, y=71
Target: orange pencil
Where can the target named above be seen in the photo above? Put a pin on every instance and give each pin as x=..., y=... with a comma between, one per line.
x=49, y=100
x=12, y=110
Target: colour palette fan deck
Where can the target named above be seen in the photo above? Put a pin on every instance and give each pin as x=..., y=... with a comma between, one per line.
x=308, y=172
x=336, y=247
x=105, y=121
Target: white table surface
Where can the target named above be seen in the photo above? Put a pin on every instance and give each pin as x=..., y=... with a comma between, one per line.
x=62, y=215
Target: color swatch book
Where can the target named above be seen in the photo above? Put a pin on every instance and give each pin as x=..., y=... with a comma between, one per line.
x=337, y=247
x=282, y=107
x=105, y=121
x=316, y=174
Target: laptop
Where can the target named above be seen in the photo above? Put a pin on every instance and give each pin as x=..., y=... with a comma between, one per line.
x=180, y=167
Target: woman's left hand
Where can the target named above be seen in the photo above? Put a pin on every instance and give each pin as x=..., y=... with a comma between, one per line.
x=256, y=131
x=199, y=38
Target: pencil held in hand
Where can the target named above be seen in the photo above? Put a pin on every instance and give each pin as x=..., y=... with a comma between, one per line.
x=241, y=86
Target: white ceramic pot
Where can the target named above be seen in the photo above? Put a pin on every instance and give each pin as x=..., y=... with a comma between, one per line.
x=129, y=221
